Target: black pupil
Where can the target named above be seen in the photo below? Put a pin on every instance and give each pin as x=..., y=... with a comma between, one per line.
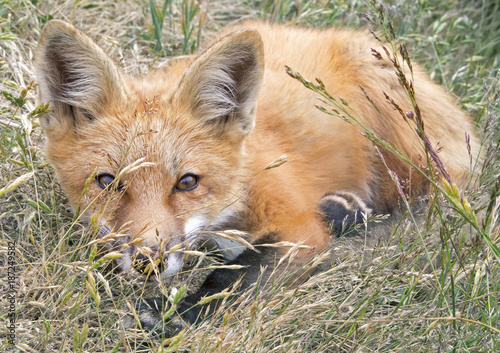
x=187, y=182
x=105, y=180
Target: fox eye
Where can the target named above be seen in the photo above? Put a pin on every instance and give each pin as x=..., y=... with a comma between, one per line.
x=187, y=182
x=105, y=180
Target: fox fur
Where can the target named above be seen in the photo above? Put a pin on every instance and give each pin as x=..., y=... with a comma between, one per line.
x=182, y=152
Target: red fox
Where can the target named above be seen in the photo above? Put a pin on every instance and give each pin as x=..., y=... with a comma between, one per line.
x=182, y=152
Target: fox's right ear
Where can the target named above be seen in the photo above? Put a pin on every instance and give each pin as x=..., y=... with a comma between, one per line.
x=74, y=75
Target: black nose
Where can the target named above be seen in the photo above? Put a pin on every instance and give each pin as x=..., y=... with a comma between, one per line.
x=141, y=261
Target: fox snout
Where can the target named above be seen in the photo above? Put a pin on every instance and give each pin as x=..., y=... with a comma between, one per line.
x=161, y=256
x=167, y=263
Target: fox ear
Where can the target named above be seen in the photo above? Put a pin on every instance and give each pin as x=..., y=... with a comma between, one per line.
x=74, y=75
x=222, y=85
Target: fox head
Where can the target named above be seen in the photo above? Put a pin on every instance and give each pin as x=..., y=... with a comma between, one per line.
x=156, y=159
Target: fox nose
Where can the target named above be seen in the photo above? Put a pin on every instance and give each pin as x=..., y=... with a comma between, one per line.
x=142, y=261
x=167, y=262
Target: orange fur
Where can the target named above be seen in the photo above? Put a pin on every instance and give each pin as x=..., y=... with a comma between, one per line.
x=184, y=119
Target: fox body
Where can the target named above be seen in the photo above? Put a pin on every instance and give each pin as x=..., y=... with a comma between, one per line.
x=182, y=152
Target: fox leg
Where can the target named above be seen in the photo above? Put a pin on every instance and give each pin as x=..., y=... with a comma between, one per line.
x=262, y=267
x=343, y=210
x=338, y=210
x=257, y=267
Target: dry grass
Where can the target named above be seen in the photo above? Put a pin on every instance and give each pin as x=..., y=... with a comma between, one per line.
x=417, y=282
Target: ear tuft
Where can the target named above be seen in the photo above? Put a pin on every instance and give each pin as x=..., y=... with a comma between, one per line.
x=73, y=73
x=222, y=85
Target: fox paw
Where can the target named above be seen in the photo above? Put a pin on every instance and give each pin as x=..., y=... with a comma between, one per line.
x=149, y=312
x=343, y=210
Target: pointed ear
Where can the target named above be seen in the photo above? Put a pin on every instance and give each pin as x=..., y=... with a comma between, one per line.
x=221, y=86
x=74, y=75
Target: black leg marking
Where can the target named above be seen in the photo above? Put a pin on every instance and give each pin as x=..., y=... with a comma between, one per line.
x=151, y=310
x=342, y=211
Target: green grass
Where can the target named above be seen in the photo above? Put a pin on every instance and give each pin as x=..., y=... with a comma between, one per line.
x=423, y=282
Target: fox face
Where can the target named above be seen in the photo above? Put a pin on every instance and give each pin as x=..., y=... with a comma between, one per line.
x=159, y=164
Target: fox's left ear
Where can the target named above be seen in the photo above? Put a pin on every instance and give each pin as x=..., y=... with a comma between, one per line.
x=222, y=85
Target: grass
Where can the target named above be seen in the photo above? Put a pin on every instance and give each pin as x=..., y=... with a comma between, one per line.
x=418, y=282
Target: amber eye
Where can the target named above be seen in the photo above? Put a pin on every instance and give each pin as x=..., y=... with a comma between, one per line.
x=187, y=182
x=105, y=180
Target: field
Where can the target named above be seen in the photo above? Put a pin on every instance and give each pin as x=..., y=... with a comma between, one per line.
x=426, y=279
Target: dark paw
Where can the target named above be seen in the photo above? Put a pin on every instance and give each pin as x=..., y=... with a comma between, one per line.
x=155, y=315
x=343, y=211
